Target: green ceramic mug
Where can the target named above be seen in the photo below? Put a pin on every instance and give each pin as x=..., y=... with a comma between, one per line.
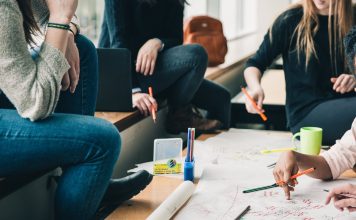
x=310, y=140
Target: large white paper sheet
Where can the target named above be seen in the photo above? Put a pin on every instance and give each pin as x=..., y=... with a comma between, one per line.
x=219, y=196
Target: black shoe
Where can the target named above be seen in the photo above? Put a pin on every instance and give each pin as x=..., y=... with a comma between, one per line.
x=121, y=190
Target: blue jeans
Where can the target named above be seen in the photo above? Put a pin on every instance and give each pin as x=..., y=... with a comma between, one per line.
x=334, y=122
x=86, y=148
x=83, y=101
x=179, y=76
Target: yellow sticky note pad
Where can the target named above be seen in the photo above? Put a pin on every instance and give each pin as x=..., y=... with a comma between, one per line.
x=170, y=167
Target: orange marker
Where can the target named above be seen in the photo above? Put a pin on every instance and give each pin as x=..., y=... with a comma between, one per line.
x=153, y=112
x=263, y=116
x=298, y=175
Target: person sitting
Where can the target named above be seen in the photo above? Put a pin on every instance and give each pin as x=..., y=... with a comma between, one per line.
x=35, y=139
x=319, y=88
x=330, y=164
x=153, y=31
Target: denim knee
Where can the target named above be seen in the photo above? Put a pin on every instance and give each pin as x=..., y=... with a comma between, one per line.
x=106, y=137
x=198, y=53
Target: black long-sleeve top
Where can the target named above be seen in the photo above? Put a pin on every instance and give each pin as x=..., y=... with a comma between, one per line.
x=131, y=23
x=306, y=87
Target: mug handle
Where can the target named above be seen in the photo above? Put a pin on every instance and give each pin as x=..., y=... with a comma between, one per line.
x=293, y=140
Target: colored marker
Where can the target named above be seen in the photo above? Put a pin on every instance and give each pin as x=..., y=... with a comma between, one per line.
x=188, y=159
x=277, y=150
x=153, y=111
x=263, y=116
x=298, y=175
x=192, y=144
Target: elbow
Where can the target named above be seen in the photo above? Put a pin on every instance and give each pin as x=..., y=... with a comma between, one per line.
x=37, y=109
x=33, y=114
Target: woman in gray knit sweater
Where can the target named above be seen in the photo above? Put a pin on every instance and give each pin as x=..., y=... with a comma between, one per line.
x=32, y=138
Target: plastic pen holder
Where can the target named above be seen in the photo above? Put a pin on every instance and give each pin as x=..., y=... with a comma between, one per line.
x=189, y=171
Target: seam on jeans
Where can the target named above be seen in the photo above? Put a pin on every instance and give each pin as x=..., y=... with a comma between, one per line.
x=95, y=145
x=190, y=64
x=23, y=137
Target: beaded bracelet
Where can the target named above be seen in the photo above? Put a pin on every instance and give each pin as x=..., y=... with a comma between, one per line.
x=59, y=26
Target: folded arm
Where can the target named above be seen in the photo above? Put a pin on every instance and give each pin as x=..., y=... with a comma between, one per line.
x=32, y=86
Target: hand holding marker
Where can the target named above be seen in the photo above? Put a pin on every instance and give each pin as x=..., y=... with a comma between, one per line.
x=279, y=183
x=254, y=104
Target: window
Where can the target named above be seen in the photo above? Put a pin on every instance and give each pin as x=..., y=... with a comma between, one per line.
x=239, y=17
x=90, y=13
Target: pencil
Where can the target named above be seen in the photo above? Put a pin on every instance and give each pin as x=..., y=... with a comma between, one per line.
x=243, y=213
x=153, y=111
x=346, y=195
x=274, y=185
x=263, y=116
x=272, y=165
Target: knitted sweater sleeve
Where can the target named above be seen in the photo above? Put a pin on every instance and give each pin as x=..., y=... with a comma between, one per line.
x=32, y=86
x=342, y=156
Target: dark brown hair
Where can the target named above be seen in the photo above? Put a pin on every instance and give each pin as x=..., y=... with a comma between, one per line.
x=29, y=23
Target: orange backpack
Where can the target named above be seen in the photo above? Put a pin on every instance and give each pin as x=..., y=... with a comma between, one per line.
x=207, y=32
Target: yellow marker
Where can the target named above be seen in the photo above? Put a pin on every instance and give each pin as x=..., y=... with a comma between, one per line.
x=277, y=150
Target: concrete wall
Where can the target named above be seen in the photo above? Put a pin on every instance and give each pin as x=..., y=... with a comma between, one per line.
x=268, y=11
x=35, y=201
x=137, y=143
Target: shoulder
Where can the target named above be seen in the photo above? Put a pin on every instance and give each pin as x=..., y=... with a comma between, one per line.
x=290, y=17
x=173, y=4
x=10, y=5
x=40, y=10
x=350, y=40
x=10, y=9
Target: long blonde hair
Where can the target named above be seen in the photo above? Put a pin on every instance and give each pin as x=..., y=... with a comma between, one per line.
x=309, y=26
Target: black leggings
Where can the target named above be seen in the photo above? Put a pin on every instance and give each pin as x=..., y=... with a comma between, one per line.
x=334, y=117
